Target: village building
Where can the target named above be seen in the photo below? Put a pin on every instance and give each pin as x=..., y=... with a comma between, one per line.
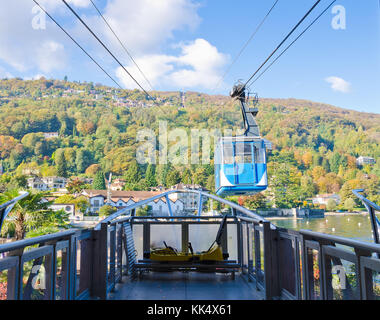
x=67, y=207
x=362, y=161
x=117, y=185
x=322, y=199
x=46, y=183
x=122, y=199
x=50, y=135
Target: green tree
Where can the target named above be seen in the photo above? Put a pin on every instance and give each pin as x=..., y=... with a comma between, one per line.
x=326, y=165
x=106, y=211
x=83, y=160
x=133, y=175
x=256, y=201
x=200, y=176
x=60, y=163
x=349, y=204
x=143, y=211
x=335, y=162
x=76, y=186
x=284, y=185
x=210, y=185
x=99, y=181
x=172, y=178
x=30, y=213
x=331, y=205
x=307, y=189
x=162, y=172
x=186, y=176
x=150, y=176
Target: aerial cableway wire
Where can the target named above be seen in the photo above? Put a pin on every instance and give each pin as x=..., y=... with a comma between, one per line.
x=57, y=23
x=282, y=42
x=121, y=43
x=108, y=50
x=299, y=36
x=246, y=45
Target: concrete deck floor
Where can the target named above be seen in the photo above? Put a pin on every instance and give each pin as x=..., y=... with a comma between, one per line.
x=186, y=286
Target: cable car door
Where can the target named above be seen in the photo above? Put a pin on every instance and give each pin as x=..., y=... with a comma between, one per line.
x=244, y=168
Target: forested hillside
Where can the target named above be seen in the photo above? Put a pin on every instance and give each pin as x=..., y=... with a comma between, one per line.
x=315, y=146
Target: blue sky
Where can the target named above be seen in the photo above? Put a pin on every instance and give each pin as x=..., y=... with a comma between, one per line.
x=188, y=44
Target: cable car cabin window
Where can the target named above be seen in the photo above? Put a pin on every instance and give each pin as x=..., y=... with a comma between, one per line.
x=259, y=155
x=243, y=153
x=228, y=154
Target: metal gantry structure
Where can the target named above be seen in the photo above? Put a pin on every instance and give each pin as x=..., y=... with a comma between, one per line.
x=280, y=263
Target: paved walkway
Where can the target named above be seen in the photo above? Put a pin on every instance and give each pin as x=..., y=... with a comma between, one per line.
x=186, y=286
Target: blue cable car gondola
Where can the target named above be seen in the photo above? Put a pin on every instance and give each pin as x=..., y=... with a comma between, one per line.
x=240, y=162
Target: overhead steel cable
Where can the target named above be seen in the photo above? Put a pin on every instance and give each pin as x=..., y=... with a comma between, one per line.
x=121, y=43
x=246, y=44
x=56, y=22
x=295, y=40
x=282, y=42
x=108, y=50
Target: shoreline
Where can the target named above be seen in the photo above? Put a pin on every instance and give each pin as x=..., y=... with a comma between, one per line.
x=355, y=213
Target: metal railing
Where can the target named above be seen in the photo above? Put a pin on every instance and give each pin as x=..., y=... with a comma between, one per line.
x=372, y=208
x=287, y=264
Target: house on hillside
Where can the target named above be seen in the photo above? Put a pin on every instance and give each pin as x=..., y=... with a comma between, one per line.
x=50, y=135
x=322, y=199
x=362, y=161
x=46, y=183
x=117, y=185
x=123, y=199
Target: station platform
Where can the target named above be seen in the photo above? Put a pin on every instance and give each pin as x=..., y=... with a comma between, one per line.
x=186, y=286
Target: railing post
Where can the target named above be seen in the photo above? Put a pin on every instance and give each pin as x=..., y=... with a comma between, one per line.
x=100, y=260
x=112, y=262
x=270, y=262
x=146, y=237
x=53, y=273
x=72, y=272
x=119, y=246
x=307, y=265
x=185, y=237
x=363, y=277
x=257, y=257
x=239, y=243
x=14, y=285
x=297, y=262
x=327, y=291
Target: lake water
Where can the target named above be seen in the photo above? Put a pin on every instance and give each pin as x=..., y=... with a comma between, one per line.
x=356, y=227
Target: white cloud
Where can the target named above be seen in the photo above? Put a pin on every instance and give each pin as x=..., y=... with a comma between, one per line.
x=206, y=64
x=25, y=48
x=339, y=84
x=145, y=25
x=198, y=65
